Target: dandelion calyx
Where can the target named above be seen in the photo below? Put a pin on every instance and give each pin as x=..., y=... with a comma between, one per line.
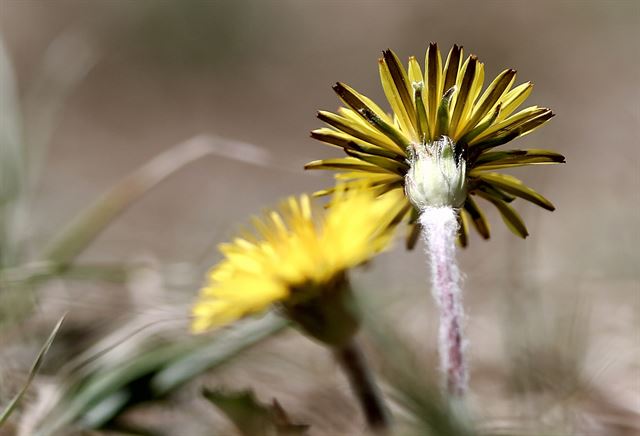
x=436, y=176
x=330, y=316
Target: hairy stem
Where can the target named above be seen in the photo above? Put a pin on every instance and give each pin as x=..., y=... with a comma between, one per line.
x=363, y=385
x=440, y=229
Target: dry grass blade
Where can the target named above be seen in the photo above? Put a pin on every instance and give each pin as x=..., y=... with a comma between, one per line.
x=32, y=373
x=92, y=221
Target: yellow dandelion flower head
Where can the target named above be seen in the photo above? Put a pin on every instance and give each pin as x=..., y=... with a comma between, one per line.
x=444, y=106
x=294, y=255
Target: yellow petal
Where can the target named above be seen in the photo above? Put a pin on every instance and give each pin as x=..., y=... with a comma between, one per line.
x=346, y=163
x=491, y=97
x=395, y=100
x=514, y=98
x=461, y=98
x=415, y=73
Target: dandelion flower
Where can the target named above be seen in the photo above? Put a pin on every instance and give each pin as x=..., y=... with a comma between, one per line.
x=294, y=258
x=441, y=113
x=438, y=146
x=299, y=265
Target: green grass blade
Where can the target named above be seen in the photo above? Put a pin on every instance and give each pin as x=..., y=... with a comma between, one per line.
x=90, y=398
x=31, y=274
x=12, y=161
x=216, y=352
x=32, y=373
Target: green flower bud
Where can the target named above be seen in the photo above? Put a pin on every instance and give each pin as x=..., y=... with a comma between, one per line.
x=437, y=177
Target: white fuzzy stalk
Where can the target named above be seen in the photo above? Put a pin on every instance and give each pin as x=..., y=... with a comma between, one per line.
x=439, y=230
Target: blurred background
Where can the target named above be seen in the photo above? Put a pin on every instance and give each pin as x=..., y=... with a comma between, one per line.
x=97, y=89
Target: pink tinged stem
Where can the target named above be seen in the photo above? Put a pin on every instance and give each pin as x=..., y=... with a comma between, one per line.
x=439, y=230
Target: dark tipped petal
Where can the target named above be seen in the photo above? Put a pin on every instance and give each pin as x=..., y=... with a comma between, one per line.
x=469, y=136
x=491, y=160
x=451, y=67
x=414, y=229
x=346, y=163
x=477, y=217
x=492, y=142
x=402, y=213
x=514, y=186
x=514, y=98
x=510, y=217
x=462, y=99
x=342, y=140
x=349, y=97
x=389, y=130
x=519, y=124
x=401, y=81
x=390, y=165
x=370, y=115
x=477, y=185
x=536, y=122
x=433, y=68
x=412, y=236
x=347, y=128
x=463, y=231
x=491, y=96
x=496, y=156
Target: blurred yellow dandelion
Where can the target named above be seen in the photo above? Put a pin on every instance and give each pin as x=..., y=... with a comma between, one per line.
x=442, y=112
x=294, y=257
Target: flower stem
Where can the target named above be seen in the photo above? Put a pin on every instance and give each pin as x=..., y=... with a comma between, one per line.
x=363, y=385
x=439, y=230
